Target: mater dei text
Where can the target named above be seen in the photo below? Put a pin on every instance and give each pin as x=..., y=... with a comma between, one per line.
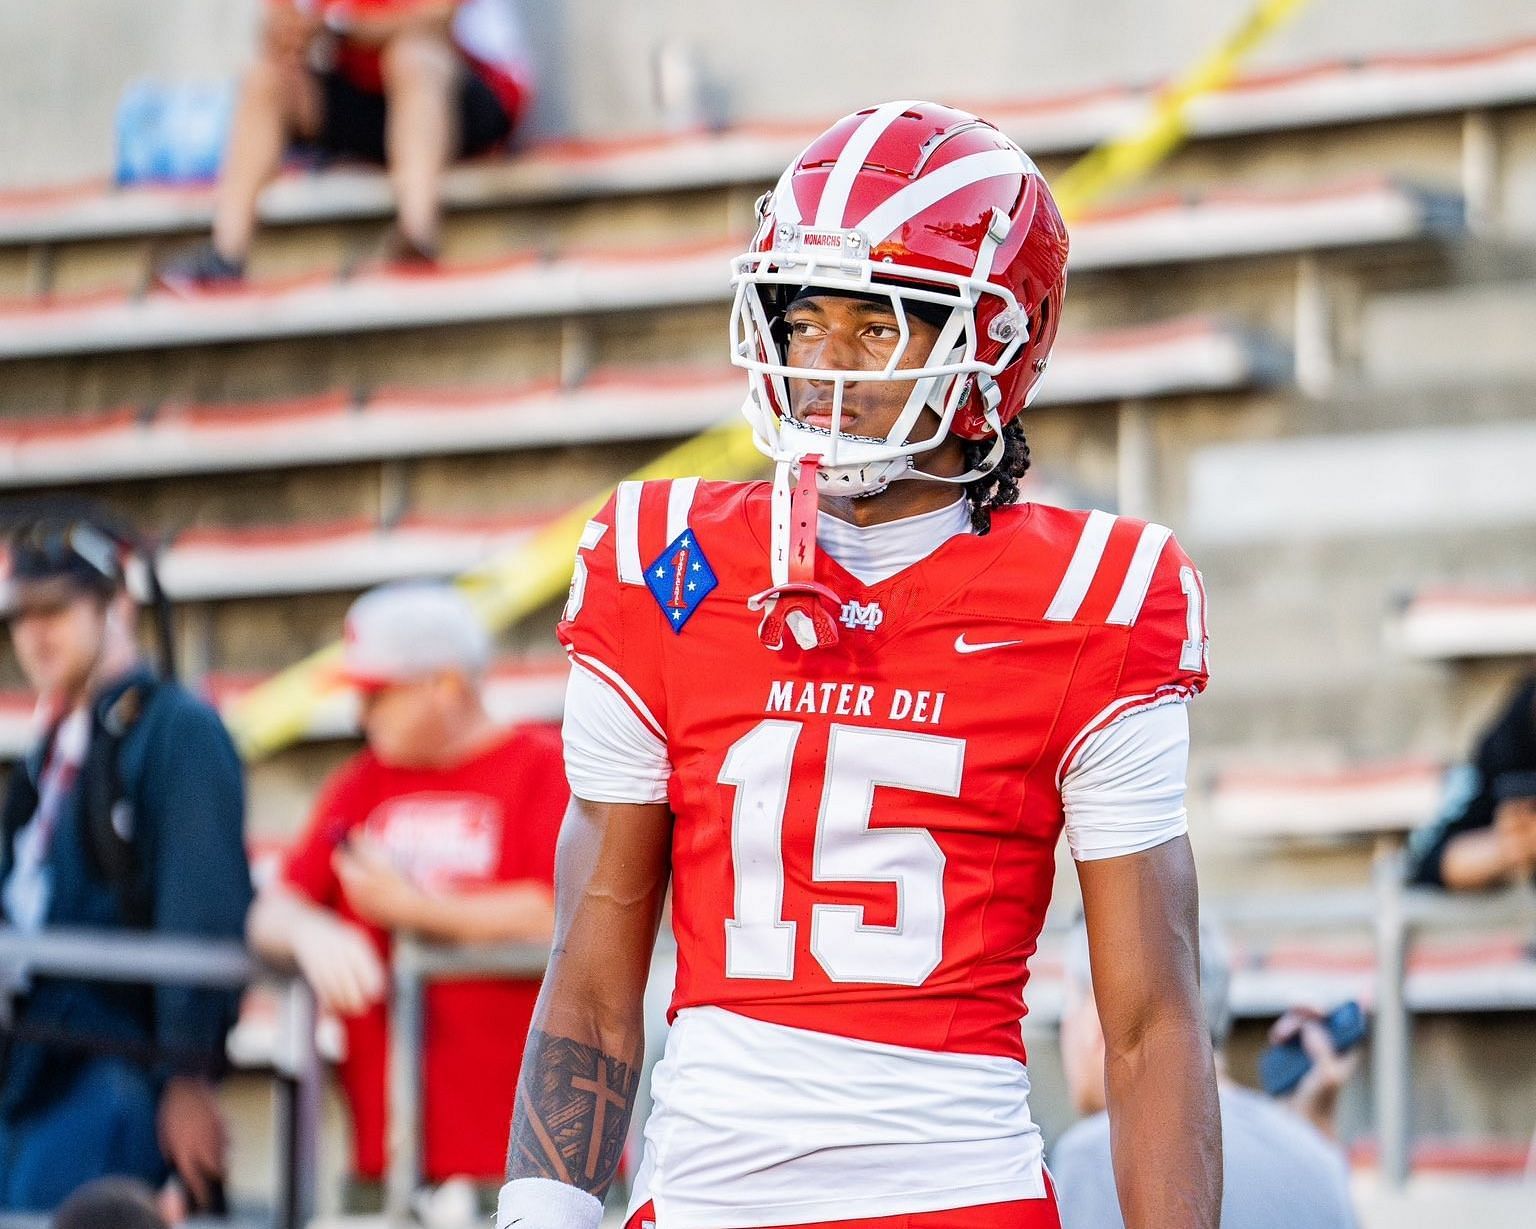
x=855, y=700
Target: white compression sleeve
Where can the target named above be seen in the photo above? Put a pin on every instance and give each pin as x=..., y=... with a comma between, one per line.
x=1124, y=792
x=610, y=754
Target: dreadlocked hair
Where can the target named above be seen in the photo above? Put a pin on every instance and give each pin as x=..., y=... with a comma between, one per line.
x=999, y=487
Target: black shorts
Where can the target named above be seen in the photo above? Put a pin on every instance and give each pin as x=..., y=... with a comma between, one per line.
x=353, y=121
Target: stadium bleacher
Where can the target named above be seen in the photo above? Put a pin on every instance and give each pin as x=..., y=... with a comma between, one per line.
x=1446, y=624
x=649, y=226
x=1180, y=356
x=601, y=332
x=1374, y=89
x=1356, y=799
x=1167, y=229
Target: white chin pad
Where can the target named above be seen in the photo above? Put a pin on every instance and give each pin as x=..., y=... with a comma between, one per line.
x=864, y=466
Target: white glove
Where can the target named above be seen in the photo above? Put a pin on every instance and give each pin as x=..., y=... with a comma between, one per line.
x=539, y=1203
x=339, y=962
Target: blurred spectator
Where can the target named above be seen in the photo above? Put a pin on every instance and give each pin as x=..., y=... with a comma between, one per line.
x=110, y=1203
x=445, y=825
x=411, y=84
x=1281, y=1166
x=1486, y=832
x=126, y=814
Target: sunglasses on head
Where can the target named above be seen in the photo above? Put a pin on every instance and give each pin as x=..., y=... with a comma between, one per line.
x=55, y=548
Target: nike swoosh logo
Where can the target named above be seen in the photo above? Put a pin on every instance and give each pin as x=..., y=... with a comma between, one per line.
x=962, y=645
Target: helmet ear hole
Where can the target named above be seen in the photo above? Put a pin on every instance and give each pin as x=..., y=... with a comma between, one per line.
x=1040, y=326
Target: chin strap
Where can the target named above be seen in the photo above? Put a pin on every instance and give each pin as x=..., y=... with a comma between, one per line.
x=796, y=602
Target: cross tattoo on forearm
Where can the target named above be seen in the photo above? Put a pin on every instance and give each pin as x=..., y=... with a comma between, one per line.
x=605, y=1096
x=573, y=1108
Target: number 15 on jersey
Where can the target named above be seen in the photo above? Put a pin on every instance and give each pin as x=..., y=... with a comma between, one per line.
x=759, y=940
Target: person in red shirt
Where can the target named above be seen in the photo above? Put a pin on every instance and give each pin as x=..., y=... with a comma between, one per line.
x=445, y=825
x=411, y=84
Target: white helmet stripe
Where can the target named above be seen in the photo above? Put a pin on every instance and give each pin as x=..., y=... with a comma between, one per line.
x=785, y=207
x=834, y=196
x=935, y=186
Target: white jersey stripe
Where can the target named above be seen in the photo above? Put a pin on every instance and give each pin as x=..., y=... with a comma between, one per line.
x=1171, y=693
x=592, y=535
x=679, y=504
x=1083, y=568
x=785, y=207
x=1138, y=577
x=933, y=187
x=834, y=194
x=626, y=524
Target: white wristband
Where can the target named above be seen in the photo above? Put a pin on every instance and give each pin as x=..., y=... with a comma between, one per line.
x=540, y=1203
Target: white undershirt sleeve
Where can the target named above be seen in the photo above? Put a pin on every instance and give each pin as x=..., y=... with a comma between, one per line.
x=1124, y=793
x=611, y=755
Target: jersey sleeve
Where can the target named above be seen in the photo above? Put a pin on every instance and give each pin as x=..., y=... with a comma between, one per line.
x=1163, y=661
x=615, y=736
x=1123, y=779
x=1125, y=790
x=1169, y=645
x=307, y=869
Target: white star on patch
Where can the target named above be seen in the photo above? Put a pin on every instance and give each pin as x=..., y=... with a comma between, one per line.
x=660, y=572
x=692, y=585
x=695, y=567
x=677, y=614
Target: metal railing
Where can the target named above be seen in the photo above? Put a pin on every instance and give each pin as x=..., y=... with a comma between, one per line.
x=1391, y=911
x=119, y=956
x=1394, y=914
x=414, y=966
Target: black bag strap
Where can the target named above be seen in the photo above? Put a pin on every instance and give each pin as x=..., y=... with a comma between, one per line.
x=113, y=842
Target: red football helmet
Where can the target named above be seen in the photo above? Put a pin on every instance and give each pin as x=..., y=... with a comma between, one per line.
x=925, y=205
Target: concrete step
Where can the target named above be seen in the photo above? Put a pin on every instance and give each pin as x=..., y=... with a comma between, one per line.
x=1364, y=715
x=1336, y=103
x=1452, y=624
x=1449, y=334
x=1355, y=406
x=1179, y=356
x=1434, y=1200
x=1211, y=228
x=1364, y=485
x=1301, y=655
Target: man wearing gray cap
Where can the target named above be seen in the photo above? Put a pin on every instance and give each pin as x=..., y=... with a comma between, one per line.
x=444, y=825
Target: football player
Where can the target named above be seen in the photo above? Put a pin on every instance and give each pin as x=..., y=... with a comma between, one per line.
x=847, y=714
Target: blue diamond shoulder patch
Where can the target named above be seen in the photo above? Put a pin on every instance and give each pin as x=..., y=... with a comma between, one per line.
x=679, y=579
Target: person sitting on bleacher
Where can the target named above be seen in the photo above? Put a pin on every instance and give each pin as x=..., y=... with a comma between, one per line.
x=1485, y=834
x=126, y=815
x=411, y=84
x=1281, y=1164
x=445, y=826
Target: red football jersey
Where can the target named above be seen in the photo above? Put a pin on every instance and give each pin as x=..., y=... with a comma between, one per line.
x=865, y=833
